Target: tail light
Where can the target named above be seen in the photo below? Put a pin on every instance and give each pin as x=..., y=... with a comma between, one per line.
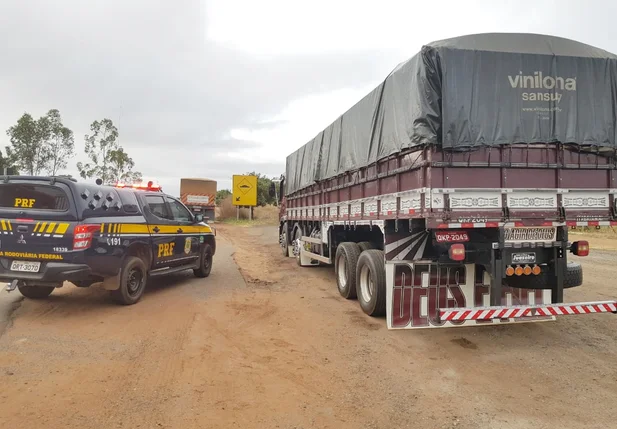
x=580, y=248
x=83, y=234
x=527, y=270
x=536, y=270
x=518, y=271
x=510, y=271
x=457, y=252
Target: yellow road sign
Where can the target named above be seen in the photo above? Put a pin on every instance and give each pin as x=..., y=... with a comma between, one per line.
x=244, y=190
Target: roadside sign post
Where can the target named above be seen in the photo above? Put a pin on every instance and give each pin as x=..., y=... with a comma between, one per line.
x=244, y=193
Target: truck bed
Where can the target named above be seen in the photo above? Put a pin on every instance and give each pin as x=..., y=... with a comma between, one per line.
x=529, y=184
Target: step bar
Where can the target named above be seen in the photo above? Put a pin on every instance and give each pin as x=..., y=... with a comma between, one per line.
x=521, y=311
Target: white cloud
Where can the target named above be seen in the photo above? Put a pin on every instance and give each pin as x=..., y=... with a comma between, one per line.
x=302, y=120
x=278, y=27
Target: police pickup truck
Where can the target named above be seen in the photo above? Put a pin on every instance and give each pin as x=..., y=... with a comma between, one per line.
x=55, y=229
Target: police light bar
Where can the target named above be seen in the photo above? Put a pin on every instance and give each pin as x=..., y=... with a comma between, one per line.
x=149, y=186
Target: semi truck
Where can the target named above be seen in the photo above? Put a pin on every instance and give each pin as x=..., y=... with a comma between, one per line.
x=444, y=197
x=199, y=195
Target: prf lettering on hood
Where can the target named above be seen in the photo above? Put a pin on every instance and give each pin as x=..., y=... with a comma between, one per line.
x=544, y=88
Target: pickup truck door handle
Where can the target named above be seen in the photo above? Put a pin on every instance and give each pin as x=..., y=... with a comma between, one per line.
x=179, y=230
x=156, y=229
x=22, y=228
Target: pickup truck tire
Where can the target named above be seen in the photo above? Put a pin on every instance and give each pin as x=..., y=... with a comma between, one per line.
x=371, y=282
x=573, y=278
x=36, y=292
x=133, y=278
x=365, y=245
x=345, y=263
x=205, y=262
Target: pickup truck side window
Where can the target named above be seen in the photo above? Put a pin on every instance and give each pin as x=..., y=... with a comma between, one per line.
x=179, y=212
x=157, y=206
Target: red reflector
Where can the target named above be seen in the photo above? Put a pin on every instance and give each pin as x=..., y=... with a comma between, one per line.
x=457, y=252
x=24, y=220
x=451, y=236
x=580, y=248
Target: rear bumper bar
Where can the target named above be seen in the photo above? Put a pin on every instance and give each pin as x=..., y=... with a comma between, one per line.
x=51, y=272
x=520, y=311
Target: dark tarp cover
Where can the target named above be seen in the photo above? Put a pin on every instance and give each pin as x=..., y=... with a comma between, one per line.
x=468, y=92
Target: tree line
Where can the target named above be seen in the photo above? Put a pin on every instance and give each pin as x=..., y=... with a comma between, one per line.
x=45, y=145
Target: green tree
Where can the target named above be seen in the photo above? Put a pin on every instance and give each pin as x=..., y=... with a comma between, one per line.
x=41, y=145
x=59, y=139
x=29, y=150
x=263, y=189
x=109, y=162
x=5, y=163
x=121, y=167
x=221, y=195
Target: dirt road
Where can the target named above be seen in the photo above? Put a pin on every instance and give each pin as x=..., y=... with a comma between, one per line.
x=284, y=350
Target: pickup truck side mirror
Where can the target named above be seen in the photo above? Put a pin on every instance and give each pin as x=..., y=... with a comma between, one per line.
x=199, y=218
x=272, y=190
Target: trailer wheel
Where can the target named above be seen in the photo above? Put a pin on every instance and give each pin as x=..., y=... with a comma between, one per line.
x=283, y=240
x=371, y=282
x=365, y=245
x=573, y=278
x=297, y=243
x=345, y=263
x=574, y=275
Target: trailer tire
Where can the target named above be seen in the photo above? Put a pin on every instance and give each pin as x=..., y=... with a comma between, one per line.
x=573, y=278
x=345, y=263
x=284, y=240
x=574, y=275
x=365, y=245
x=371, y=282
x=297, y=244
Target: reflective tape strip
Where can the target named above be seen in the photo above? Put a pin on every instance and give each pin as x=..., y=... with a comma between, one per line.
x=592, y=223
x=513, y=312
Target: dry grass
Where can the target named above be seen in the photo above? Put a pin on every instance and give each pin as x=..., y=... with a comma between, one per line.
x=226, y=212
x=604, y=232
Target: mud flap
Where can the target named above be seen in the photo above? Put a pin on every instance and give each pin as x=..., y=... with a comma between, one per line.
x=111, y=283
x=415, y=293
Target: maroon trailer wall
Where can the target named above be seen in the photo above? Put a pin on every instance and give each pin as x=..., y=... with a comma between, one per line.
x=517, y=167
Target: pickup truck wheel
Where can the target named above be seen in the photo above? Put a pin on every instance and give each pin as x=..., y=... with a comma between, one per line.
x=371, y=282
x=205, y=262
x=573, y=278
x=36, y=292
x=133, y=279
x=345, y=262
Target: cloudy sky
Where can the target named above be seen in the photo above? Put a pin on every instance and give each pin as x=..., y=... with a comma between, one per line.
x=221, y=87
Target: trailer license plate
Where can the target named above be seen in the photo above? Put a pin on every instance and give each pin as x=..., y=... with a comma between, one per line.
x=530, y=234
x=524, y=258
x=451, y=236
x=26, y=266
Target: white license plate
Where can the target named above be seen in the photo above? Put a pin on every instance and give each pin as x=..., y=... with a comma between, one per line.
x=530, y=234
x=26, y=266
